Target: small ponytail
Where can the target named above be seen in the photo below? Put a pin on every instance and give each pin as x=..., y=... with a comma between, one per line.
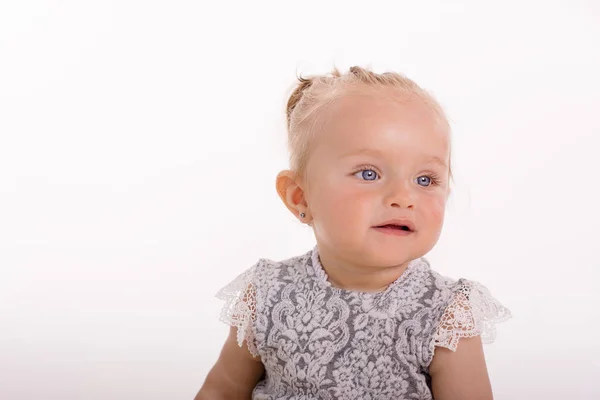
x=296, y=96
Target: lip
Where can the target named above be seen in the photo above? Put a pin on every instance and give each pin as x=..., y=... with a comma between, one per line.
x=406, y=222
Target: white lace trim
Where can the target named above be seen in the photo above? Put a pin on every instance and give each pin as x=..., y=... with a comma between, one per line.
x=473, y=312
x=240, y=308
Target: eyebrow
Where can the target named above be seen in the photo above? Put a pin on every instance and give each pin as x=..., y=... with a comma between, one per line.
x=374, y=152
x=368, y=151
x=437, y=160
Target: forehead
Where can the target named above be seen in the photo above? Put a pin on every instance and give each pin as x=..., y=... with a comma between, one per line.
x=383, y=123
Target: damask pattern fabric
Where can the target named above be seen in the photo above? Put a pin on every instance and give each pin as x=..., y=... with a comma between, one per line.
x=317, y=341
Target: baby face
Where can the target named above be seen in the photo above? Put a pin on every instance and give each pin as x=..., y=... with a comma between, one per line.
x=375, y=165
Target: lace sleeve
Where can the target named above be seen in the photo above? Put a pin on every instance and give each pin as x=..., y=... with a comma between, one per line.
x=473, y=312
x=239, y=309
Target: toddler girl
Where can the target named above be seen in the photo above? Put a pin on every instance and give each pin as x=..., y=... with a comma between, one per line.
x=361, y=315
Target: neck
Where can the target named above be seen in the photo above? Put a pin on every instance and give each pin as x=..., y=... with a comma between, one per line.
x=356, y=277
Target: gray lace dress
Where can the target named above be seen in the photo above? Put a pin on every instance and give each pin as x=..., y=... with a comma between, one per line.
x=317, y=341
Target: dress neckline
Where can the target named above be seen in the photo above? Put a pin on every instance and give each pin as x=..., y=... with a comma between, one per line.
x=322, y=277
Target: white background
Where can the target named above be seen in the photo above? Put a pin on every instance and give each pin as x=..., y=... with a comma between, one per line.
x=139, y=143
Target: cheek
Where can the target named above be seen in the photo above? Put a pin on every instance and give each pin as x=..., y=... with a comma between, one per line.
x=434, y=208
x=342, y=205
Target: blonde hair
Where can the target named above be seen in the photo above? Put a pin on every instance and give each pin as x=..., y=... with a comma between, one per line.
x=312, y=96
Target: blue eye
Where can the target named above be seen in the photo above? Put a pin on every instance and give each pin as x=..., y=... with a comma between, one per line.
x=427, y=180
x=367, y=174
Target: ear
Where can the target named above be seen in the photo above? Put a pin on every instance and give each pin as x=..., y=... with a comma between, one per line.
x=291, y=193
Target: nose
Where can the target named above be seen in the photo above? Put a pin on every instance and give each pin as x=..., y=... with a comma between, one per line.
x=400, y=195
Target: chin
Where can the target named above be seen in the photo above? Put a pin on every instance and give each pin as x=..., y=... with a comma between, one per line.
x=396, y=259
x=395, y=254
x=381, y=256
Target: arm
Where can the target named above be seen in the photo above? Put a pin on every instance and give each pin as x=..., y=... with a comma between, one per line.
x=234, y=375
x=460, y=375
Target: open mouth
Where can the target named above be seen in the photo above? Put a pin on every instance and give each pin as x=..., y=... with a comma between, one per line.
x=396, y=227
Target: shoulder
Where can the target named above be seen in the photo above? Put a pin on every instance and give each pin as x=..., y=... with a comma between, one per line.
x=457, y=308
x=445, y=290
x=473, y=299
x=437, y=290
x=263, y=276
x=267, y=267
x=293, y=261
x=253, y=289
x=469, y=310
x=268, y=271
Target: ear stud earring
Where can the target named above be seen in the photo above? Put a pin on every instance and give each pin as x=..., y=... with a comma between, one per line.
x=302, y=215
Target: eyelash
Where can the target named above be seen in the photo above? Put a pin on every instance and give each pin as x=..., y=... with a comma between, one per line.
x=366, y=168
x=435, y=181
